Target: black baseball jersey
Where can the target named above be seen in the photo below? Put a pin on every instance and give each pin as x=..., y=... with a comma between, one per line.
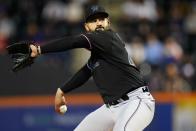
x=113, y=71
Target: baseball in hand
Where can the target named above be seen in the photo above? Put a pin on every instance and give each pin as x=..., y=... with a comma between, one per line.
x=63, y=109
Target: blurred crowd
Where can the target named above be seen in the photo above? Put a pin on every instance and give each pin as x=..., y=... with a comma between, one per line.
x=160, y=35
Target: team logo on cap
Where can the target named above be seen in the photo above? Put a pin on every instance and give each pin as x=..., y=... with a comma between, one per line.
x=94, y=8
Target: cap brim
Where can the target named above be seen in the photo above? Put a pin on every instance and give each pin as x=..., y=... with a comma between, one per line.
x=96, y=15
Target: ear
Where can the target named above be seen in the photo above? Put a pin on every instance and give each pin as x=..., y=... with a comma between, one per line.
x=108, y=21
x=86, y=27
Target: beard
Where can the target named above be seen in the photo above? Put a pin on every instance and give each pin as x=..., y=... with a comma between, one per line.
x=100, y=28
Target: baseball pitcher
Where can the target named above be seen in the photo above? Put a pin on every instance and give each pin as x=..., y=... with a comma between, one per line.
x=128, y=104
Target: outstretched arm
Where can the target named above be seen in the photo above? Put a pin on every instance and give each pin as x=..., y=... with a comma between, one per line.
x=62, y=44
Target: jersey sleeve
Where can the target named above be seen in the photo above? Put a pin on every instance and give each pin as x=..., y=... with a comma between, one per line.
x=99, y=40
x=77, y=80
x=65, y=43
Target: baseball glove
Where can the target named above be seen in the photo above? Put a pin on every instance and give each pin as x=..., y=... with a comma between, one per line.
x=21, y=55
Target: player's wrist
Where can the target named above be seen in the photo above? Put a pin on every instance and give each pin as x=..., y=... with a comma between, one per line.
x=38, y=50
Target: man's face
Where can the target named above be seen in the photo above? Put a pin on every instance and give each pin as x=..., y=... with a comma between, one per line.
x=97, y=23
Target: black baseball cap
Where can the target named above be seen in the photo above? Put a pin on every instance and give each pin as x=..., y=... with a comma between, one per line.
x=95, y=10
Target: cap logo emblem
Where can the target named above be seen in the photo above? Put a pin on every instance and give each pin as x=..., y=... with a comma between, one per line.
x=94, y=8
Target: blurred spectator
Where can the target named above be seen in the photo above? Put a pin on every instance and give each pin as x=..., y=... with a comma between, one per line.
x=55, y=10
x=173, y=49
x=156, y=81
x=33, y=33
x=60, y=11
x=140, y=9
x=191, y=20
x=154, y=50
x=188, y=70
x=161, y=25
x=75, y=12
x=176, y=21
x=7, y=28
x=136, y=50
x=173, y=81
x=190, y=28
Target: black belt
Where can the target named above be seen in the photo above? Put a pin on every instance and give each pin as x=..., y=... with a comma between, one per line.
x=124, y=97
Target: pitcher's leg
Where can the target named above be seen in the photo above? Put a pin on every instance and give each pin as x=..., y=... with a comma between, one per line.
x=136, y=117
x=99, y=120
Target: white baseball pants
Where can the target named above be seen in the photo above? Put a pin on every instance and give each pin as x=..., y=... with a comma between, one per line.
x=131, y=115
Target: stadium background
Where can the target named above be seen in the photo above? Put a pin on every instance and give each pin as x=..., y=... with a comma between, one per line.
x=160, y=36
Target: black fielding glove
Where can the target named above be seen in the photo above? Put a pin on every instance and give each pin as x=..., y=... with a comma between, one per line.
x=21, y=55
